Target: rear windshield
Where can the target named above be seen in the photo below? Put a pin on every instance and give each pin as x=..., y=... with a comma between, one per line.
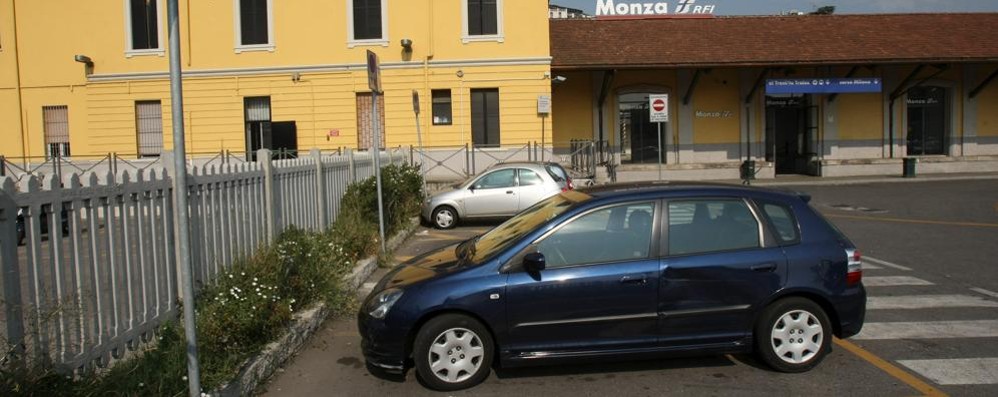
x=556, y=172
x=838, y=233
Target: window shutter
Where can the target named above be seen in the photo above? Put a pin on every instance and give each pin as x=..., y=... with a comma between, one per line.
x=149, y=127
x=56, y=124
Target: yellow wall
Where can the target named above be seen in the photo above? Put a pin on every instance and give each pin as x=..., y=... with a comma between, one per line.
x=573, y=108
x=987, y=121
x=310, y=38
x=717, y=92
x=860, y=116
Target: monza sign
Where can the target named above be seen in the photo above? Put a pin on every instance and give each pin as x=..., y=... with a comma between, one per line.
x=824, y=85
x=624, y=8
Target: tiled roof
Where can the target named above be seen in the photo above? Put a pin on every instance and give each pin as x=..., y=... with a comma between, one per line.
x=774, y=40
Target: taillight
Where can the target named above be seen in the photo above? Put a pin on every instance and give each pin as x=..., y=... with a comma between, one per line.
x=571, y=186
x=854, y=272
x=565, y=189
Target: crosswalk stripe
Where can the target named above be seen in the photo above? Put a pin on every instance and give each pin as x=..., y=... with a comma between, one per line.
x=957, y=371
x=929, y=330
x=886, y=263
x=985, y=292
x=926, y=302
x=891, y=281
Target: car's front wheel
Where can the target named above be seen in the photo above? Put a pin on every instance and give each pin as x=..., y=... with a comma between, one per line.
x=452, y=352
x=444, y=217
x=793, y=335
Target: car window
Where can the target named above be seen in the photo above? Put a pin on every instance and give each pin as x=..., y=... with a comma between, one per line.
x=783, y=221
x=511, y=231
x=608, y=235
x=556, y=172
x=529, y=178
x=699, y=226
x=497, y=179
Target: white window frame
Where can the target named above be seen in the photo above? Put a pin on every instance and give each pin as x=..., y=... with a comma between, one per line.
x=159, y=50
x=498, y=37
x=383, y=41
x=237, y=28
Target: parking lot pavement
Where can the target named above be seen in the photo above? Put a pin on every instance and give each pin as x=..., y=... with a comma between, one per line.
x=931, y=327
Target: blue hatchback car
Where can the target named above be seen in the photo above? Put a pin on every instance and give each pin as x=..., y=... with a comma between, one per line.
x=623, y=271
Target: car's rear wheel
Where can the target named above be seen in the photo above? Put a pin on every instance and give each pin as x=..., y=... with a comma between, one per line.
x=793, y=335
x=444, y=217
x=452, y=352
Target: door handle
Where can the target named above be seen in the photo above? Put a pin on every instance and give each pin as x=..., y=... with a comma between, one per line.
x=509, y=192
x=765, y=267
x=633, y=280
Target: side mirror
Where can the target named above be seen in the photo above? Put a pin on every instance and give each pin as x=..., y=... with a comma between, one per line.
x=534, y=262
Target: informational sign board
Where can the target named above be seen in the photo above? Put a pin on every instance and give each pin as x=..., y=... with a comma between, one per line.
x=658, y=105
x=373, y=72
x=544, y=104
x=824, y=85
x=415, y=102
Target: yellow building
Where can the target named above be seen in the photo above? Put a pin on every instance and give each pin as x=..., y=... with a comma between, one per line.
x=85, y=78
x=931, y=93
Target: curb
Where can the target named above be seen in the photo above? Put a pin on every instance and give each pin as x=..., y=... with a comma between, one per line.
x=261, y=367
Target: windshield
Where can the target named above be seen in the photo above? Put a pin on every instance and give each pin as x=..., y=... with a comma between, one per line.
x=514, y=229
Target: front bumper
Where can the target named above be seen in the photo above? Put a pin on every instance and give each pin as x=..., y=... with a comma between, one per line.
x=383, y=346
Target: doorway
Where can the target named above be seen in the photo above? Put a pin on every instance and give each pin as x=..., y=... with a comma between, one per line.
x=790, y=129
x=258, y=126
x=485, y=127
x=927, y=120
x=637, y=136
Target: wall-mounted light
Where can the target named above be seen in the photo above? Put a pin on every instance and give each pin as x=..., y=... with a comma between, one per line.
x=295, y=77
x=407, y=45
x=558, y=79
x=86, y=61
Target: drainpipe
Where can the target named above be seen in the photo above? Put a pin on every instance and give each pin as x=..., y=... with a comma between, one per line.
x=17, y=86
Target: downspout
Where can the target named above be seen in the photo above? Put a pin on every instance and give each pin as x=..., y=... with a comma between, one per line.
x=17, y=86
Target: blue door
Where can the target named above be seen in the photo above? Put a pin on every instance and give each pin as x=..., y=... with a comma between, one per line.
x=598, y=289
x=717, y=272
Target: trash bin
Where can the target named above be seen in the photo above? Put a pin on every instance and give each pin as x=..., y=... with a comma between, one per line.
x=909, y=167
x=747, y=170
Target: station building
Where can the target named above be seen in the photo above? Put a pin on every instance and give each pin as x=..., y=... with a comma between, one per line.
x=84, y=78
x=938, y=100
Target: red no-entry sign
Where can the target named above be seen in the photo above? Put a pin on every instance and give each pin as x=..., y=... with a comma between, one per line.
x=659, y=108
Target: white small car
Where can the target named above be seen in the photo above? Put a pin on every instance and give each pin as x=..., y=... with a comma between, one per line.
x=500, y=192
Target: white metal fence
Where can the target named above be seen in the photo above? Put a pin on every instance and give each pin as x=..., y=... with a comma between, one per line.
x=88, y=262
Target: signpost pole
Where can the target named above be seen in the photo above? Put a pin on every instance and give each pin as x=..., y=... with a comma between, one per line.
x=659, y=135
x=180, y=201
x=419, y=138
x=374, y=83
x=542, y=137
x=543, y=109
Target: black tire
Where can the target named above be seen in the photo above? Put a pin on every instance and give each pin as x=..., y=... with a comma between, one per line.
x=444, y=217
x=439, y=334
x=787, y=345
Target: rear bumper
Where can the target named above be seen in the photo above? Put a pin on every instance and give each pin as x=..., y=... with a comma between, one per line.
x=851, y=308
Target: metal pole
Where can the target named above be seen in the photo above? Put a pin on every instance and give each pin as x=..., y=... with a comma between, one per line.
x=180, y=200
x=659, y=150
x=542, y=137
x=376, y=145
x=422, y=155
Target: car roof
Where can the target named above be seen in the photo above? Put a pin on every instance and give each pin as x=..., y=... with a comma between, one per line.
x=706, y=188
x=520, y=164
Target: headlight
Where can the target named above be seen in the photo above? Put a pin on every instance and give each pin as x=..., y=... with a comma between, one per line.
x=379, y=306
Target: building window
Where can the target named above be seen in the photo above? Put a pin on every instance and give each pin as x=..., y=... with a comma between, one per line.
x=367, y=22
x=441, y=107
x=143, y=26
x=258, y=125
x=254, y=25
x=483, y=20
x=55, y=121
x=149, y=128
x=485, y=117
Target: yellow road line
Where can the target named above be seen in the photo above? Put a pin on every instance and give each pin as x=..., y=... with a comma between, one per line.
x=918, y=221
x=890, y=369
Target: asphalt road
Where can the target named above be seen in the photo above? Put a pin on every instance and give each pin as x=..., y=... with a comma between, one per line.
x=932, y=325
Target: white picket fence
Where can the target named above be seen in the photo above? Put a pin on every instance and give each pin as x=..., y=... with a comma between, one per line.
x=95, y=274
